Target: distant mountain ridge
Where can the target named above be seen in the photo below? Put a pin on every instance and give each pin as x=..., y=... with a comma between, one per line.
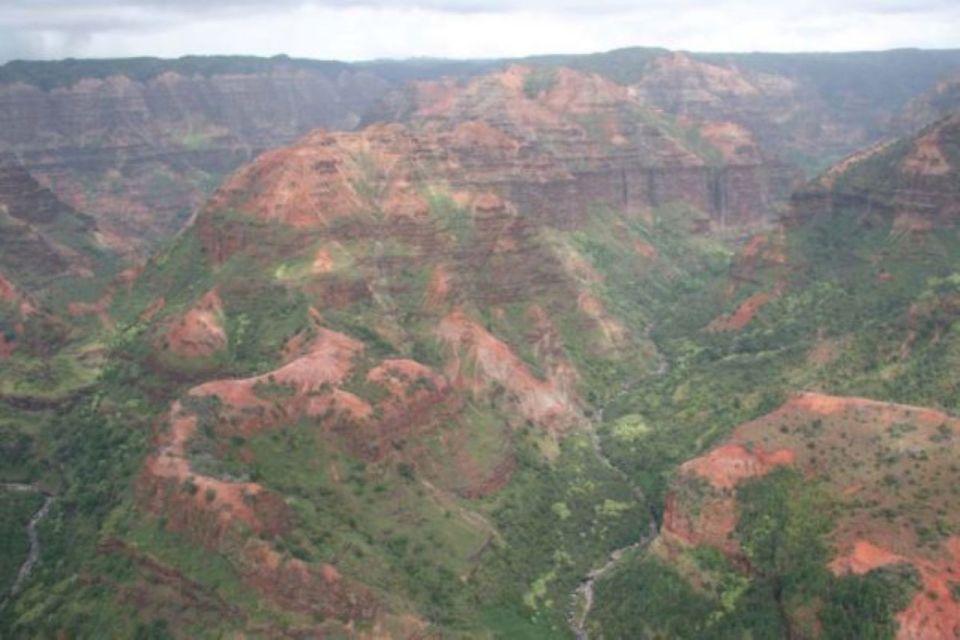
x=169, y=130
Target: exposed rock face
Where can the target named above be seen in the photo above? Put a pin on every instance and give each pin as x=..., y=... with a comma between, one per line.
x=702, y=510
x=912, y=181
x=545, y=402
x=805, y=109
x=208, y=507
x=199, y=333
x=933, y=105
x=567, y=141
x=141, y=146
x=141, y=143
x=42, y=237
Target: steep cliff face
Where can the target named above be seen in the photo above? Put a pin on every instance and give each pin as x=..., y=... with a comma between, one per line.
x=806, y=110
x=841, y=495
x=588, y=141
x=42, y=236
x=388, y=336
x=932, y=105
x=912, y=181
x=141, y=143
x=775, y=108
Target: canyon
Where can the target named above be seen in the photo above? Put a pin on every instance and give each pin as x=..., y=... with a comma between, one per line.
x=429, y=349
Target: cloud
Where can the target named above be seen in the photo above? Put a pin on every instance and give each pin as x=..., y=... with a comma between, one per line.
x=363, y=29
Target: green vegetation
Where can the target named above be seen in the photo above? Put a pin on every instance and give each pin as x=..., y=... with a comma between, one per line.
x=16, y=509
x=782, y=527
x=540, y=80
x=464, y=513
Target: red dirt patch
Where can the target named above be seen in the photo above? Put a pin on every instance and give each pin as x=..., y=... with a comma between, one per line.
x=201, y=505
x=305, y=186
x=735, y=143
x=403, y=200
x=934, y=611
x=200, y=332
x=646, y=250
x=541, y=401
x=477, y=133
x=439, y=287
x=322, y=261
x=611, y=329
x=713, y=519
x=728, y=465
x=884, y=412
x=926, y=158
x=864, y=557
x=742, y=316
x=402, y=377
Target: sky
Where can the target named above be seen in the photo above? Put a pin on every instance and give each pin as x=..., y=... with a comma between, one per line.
x=368, y=29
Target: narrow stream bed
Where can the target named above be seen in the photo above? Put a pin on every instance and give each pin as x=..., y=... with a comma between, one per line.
x=33, y=555
x=582, y=598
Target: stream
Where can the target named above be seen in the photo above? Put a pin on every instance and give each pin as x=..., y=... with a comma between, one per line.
x=33, y=556
x=582, y=598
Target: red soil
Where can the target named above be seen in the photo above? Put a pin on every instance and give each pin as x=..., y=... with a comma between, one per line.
x=865, y=556
x=728, y=465
x=646, y=250
x=742, y=316
x=322, y=261
x=883, y=412
x=10, y=294
x=733, y=141
x=477, y=133
x=591, y=306
x=540, y=401
x=200, y=332
x=934, y=612
x=926, y=158
x=399, y=377
x=230, y=500
x=403, y=200
x=439, y=287
x=297, y=586
x=304, y=186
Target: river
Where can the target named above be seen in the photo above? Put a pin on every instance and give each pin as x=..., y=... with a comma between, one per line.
x=33, y=555
x=582, y=599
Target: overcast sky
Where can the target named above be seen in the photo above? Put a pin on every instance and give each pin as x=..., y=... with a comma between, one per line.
x=364, y=29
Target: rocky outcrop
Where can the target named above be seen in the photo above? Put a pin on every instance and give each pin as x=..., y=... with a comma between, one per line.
x=199, y=333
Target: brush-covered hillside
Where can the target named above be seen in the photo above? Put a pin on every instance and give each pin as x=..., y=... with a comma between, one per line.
x=825, y=402
x=358, y=397
x=508, y=362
